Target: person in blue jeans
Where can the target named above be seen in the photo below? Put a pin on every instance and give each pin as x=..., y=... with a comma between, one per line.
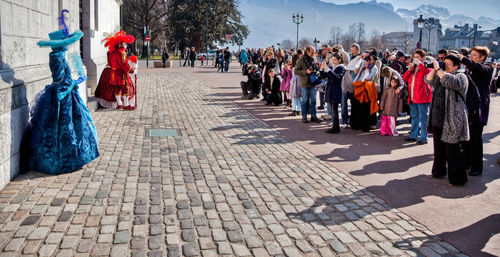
x=304, y=67
x=420, y=97
x=227, y=59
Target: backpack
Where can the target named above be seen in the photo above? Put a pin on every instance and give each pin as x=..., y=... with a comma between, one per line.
x=347, y=81
x=472, y=101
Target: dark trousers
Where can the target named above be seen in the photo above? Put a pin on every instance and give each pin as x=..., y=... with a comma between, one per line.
x=473, y=149
x=449, y=155
x=192, y=63
x=335, y=111
x=360, y=115
x=186, y=61
x=322, y=99
x=273, y=98
x=255, y=89
x=245, y=87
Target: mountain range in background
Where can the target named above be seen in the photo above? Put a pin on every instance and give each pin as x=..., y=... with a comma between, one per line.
x=270, y=21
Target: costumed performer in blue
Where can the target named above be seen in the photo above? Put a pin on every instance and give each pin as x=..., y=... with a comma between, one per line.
x=61, y=136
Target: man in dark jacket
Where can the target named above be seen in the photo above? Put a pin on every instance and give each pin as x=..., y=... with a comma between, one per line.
x=192, y=56
x=255, y=80
x=227, y=58
x=304, y=67
x=186, y=56
x=481, y=74
x=164, y=57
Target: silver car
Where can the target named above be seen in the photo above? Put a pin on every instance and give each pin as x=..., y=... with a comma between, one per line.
x=210, y=55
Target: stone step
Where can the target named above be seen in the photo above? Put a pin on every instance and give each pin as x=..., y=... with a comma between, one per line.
x=92, y=104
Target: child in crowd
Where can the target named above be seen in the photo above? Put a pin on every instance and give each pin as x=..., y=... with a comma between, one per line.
x=271, y=90
x=391, y=105
x=286, y=75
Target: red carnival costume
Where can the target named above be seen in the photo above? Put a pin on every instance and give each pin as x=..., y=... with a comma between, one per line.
x=115, y=83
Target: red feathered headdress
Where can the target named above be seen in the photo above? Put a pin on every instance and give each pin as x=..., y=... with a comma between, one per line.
x=112, y=41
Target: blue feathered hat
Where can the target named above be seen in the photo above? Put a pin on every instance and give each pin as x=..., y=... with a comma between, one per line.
x=61, y=38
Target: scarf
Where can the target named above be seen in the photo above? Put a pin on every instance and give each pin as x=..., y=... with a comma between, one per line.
x=370, y=66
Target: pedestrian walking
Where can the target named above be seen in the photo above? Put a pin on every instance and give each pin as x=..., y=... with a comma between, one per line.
x=192, y=56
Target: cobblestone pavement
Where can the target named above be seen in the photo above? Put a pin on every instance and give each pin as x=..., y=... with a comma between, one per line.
x=227, y=185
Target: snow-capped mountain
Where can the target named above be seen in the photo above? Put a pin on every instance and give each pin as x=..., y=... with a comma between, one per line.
x=446, y=19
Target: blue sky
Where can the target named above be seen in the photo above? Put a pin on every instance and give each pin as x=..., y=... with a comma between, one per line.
x=475, y=9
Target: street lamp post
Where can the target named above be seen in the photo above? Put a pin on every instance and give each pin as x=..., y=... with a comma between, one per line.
x=420, y=24
x=430, y=26
x=298, y=19
x=474, y=36
x=316, y=43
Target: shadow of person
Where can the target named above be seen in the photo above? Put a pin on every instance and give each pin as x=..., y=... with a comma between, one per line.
x=393, y=166
x=341, y=208
x=479, y=233
x=18, y=111
x=361, y=144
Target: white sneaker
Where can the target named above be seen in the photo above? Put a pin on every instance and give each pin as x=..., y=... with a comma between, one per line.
x=330, y=124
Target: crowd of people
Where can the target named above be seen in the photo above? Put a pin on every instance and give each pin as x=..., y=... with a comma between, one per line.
x=447, y=95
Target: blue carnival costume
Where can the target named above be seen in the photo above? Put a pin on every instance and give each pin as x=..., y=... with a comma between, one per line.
x=61, y=136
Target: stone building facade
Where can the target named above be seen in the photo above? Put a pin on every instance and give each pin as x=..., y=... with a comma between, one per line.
x=431, y=33
x=466, y=36
x=24, y=67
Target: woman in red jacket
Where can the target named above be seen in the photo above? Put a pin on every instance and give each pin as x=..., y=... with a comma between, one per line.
x=420, y=97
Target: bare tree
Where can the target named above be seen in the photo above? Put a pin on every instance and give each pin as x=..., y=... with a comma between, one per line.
x=287, y=44
x=375, y=39
x=335, y=33
x=305, y=42
x=138, y=14
x=360, y=31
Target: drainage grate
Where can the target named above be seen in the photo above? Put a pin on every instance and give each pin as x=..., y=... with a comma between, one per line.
x=162, y=133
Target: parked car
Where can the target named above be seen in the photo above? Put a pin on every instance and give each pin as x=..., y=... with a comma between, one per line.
x=210, y=55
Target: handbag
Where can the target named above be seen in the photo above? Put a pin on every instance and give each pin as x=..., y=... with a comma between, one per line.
x=314, y=79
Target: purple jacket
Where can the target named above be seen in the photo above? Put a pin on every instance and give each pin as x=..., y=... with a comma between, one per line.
x=286, y=74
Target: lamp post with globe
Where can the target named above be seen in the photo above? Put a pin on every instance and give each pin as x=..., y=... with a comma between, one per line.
x=298, y=19
x=420, y=25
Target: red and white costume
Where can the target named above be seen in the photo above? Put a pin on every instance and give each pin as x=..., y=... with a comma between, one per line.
x=116, y=88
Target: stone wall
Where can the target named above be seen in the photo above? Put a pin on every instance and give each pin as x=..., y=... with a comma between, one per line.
x=107, y=15
x=24, y=68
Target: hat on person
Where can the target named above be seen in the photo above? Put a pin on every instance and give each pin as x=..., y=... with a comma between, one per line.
x=61, y=39
x=120, y=37
x=400, y=54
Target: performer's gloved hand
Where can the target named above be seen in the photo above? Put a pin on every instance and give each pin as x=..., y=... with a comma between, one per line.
x=136, y=67
x=81, y=79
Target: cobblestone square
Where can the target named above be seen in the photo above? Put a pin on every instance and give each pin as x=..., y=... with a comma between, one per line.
x=227, y=185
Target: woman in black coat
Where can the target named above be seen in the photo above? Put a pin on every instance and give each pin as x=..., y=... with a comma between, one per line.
x=333, y=91
x=271, y=90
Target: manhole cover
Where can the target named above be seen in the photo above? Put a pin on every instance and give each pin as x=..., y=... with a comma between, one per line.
x=162, y=133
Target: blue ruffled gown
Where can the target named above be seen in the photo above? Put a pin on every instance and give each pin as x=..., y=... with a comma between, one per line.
x=61, y=136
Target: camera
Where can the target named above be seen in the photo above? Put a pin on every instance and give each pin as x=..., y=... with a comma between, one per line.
x=442, y=65
x=428, y=62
